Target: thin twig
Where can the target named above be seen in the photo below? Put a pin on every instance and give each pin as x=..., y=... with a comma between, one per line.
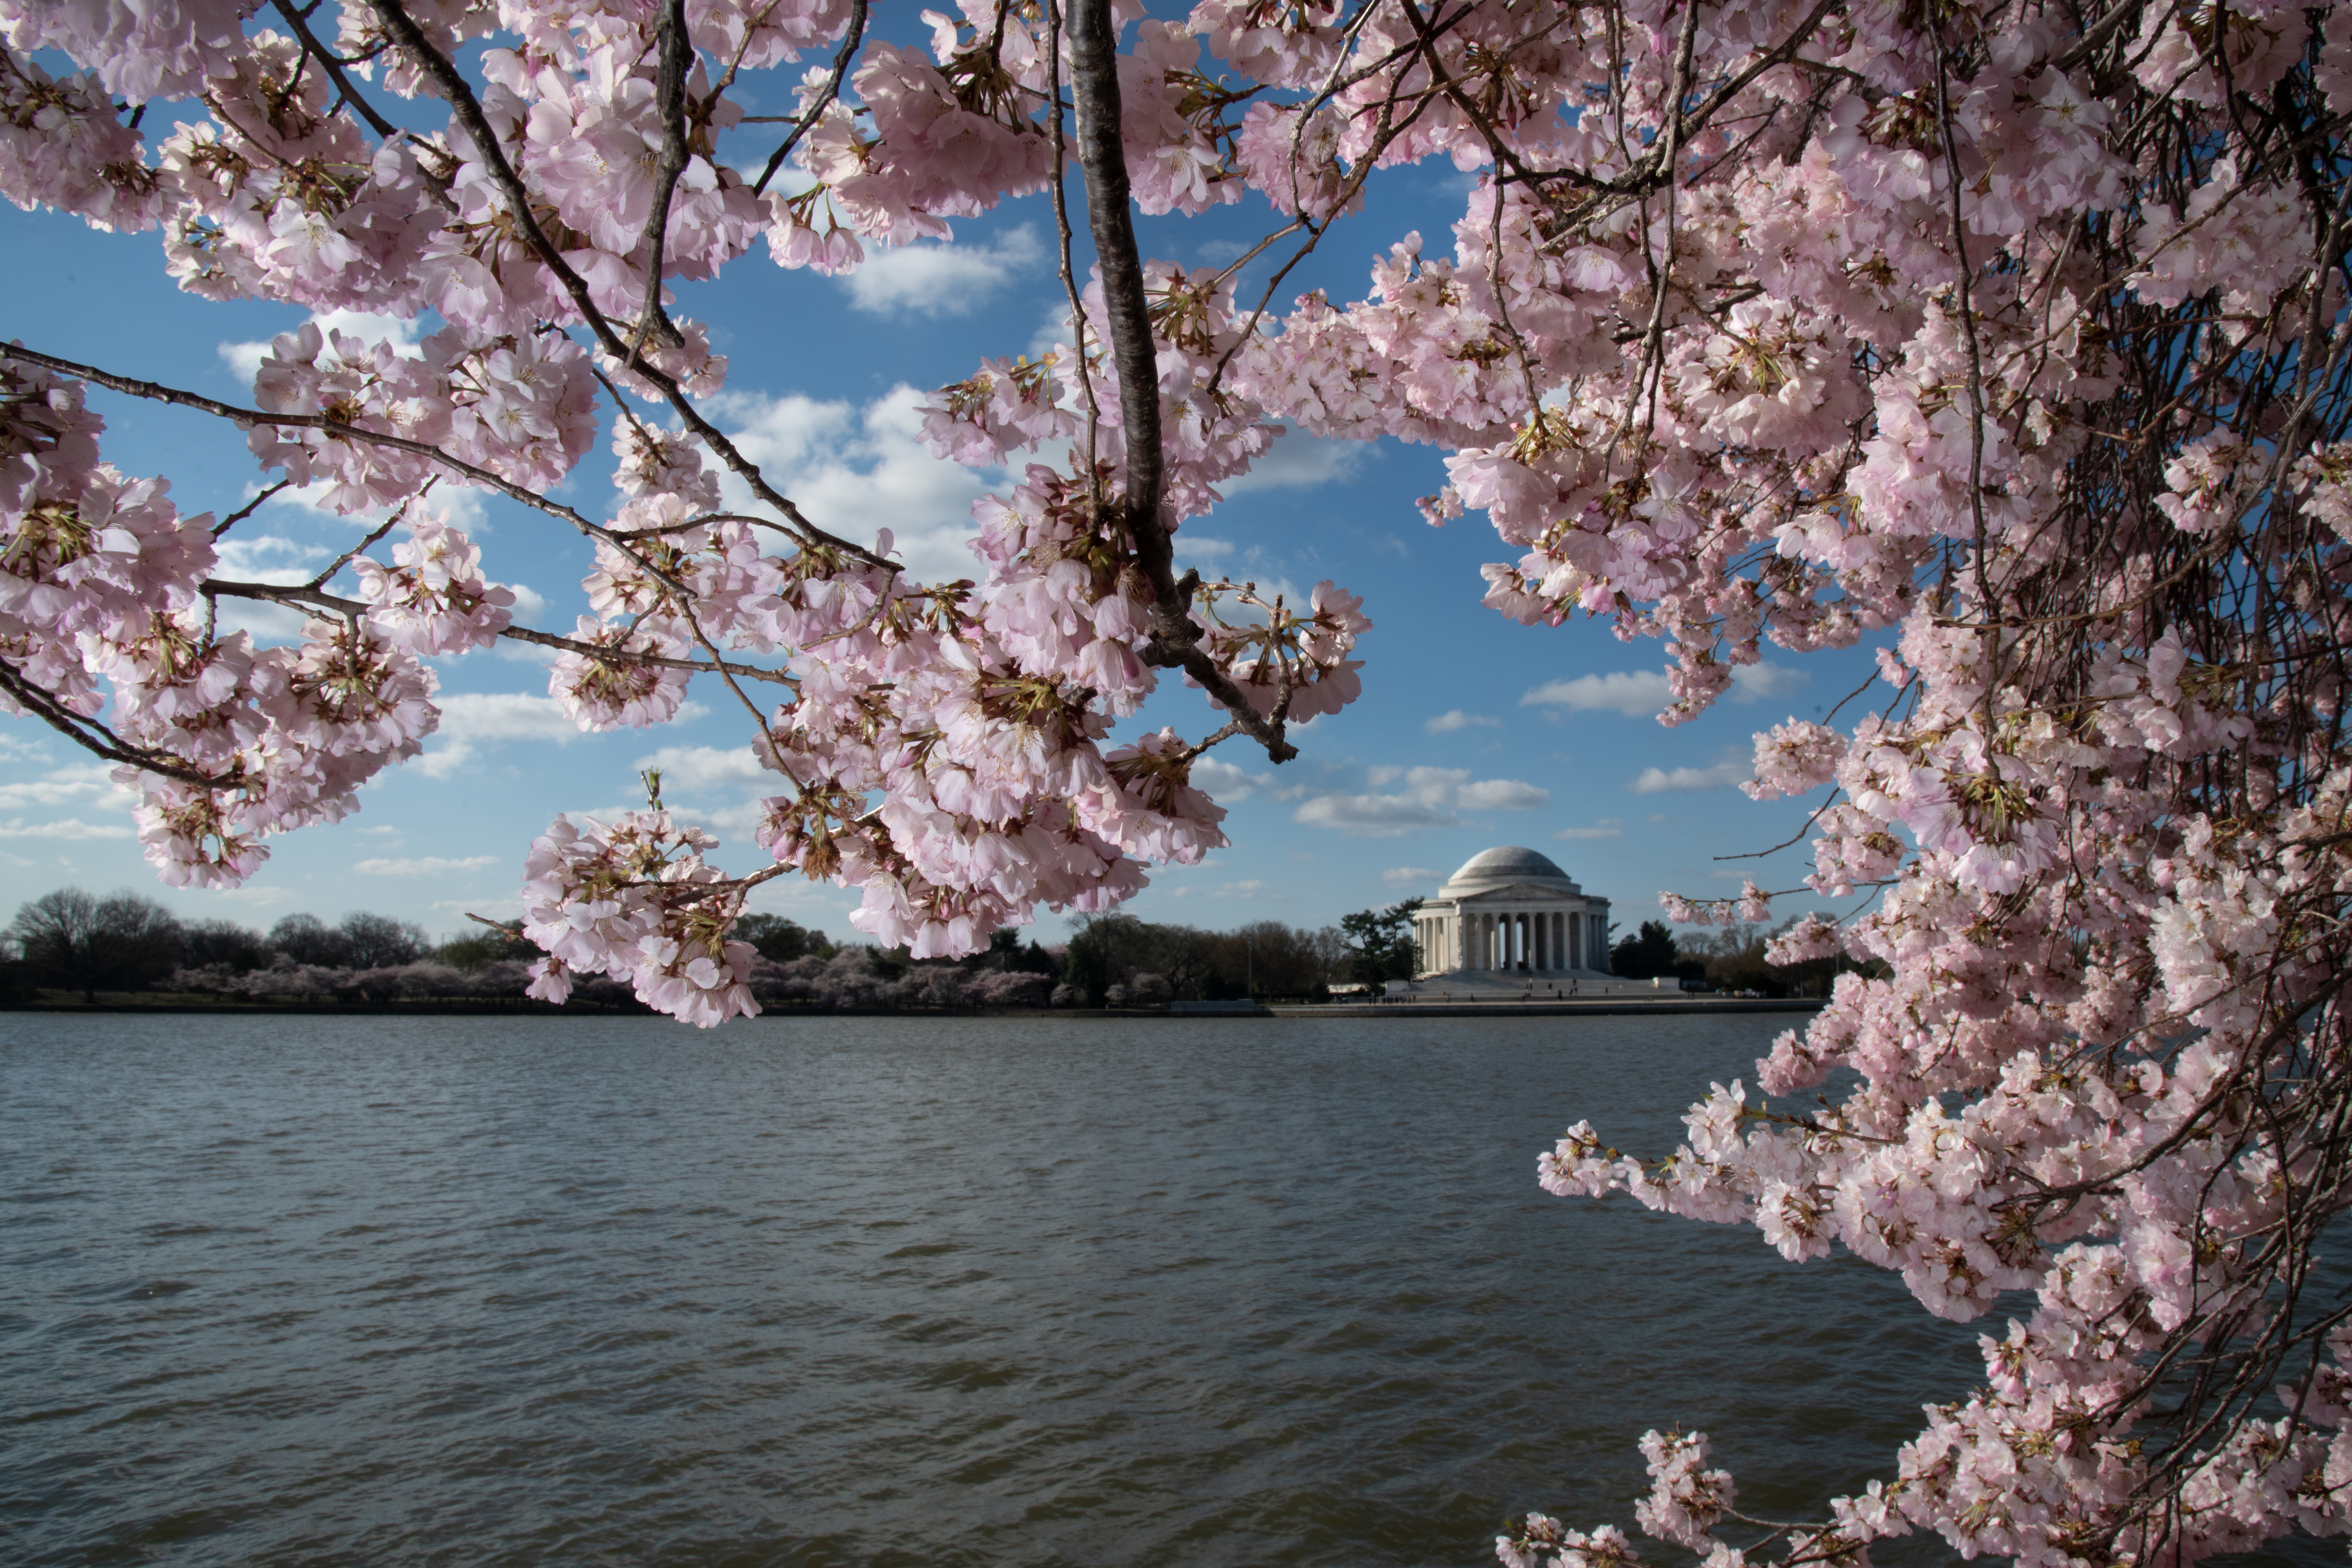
x=249, y=509
x=849, y=43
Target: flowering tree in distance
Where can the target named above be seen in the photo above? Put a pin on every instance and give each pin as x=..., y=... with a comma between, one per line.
x=2014, y=332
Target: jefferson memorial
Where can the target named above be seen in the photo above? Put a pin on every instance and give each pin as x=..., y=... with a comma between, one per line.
x=1511, y=909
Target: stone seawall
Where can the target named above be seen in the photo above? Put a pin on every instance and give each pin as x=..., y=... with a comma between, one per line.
x=1670, y=1003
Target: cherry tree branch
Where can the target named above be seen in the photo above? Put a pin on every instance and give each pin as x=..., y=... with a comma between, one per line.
x=313, y=597
x=467, y=109
x=832, y=92
x=88, y=734
x=669, y=95
x=1175, y=637
x=334, y=67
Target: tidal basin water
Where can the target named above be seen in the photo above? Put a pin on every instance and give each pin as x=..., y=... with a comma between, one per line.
x=1032, y=1292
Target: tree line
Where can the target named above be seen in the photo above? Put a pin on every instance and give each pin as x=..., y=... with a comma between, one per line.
x=74, y=940
x=1118, y=960
x=1731, y=958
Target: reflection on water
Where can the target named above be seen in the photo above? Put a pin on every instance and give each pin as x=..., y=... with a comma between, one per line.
x=880, y=1291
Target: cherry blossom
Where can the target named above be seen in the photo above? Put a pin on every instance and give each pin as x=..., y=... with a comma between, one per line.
x=2009, y=341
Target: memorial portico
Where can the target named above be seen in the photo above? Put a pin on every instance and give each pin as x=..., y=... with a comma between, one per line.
x=1511, y=909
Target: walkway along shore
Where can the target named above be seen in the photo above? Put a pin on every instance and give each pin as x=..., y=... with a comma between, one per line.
x=1549, y=1007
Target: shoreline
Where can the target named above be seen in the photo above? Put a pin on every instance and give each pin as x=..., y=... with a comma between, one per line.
x=1560, y=1008
x=527, y=1008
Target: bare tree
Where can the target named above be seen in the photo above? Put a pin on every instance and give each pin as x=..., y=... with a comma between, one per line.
x=118, y=942
x=379, y=941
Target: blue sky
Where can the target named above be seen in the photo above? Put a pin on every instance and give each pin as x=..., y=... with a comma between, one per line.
x=1472, y=731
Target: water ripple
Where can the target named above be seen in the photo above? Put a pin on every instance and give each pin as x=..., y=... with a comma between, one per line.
x=869, y=1291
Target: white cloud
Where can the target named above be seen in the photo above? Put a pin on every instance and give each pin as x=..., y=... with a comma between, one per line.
x=13, y=750
x=506, y=715
x=1409, y=876
x=270, y=558
x=471, y=719
x=1373, y=815
x=1607, y=828
x=1224, y=779
x=81, y=783
x=857, y=470
x=704, y=767
x=17, y=827
x=1200, y=552
x=427, y=865
x=942, y=279
x=514, y=650
x=1634, y=693
x=1502, y=794
x=529, y=604
x=1638, y=694
x=1454, y=719
x=1755, y=682
x=1730, y=766
x=1429, y=799
x=1299, y=462
x=245, y=359
x=804, y=900
x=1249, y=888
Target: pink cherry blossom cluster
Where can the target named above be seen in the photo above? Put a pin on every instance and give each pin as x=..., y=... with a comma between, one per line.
x=433, y=599
x=635, y=899
x=102, y=577
x=2013, y=344
x=62, y=145
x=522, y=410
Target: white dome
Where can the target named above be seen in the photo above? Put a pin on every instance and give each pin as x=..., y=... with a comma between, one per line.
x=1503, y=865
